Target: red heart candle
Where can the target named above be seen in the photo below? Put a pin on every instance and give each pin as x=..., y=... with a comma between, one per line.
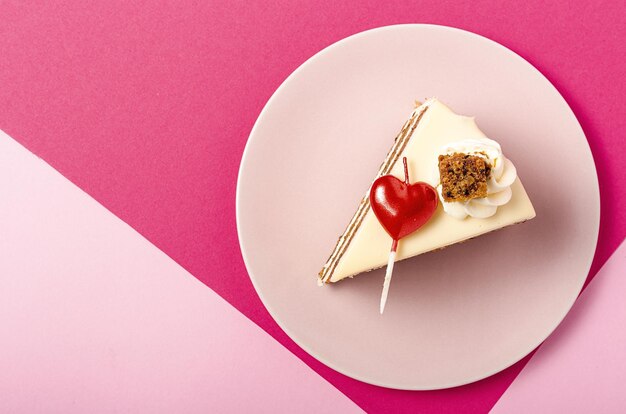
x=401, y=208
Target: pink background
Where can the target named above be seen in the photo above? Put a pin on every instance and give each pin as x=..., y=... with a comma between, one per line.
x=148, y=109
x=96, y=319
x=581, y=368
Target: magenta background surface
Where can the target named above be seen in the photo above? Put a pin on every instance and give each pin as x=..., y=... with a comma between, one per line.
x=148, y=107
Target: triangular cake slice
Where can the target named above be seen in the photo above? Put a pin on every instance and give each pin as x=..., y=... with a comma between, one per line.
x=432, y=137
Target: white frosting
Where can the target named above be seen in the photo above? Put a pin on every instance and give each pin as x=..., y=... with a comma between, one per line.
x=503, y=174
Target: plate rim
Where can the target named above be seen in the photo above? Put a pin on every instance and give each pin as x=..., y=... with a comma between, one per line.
x=263, y=114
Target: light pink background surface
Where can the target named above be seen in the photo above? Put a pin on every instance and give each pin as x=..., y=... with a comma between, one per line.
x=148, y=109
x=453, y=316
x=582, y=367
x=94, y=318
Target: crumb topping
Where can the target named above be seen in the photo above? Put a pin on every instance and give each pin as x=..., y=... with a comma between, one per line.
x=463, y=176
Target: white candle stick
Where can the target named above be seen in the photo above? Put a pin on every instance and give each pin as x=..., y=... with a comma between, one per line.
x=388, y=273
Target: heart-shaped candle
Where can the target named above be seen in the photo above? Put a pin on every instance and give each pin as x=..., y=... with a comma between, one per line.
x=401, y=208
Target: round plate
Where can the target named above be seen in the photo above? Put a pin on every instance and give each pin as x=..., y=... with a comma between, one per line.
x=453, y=316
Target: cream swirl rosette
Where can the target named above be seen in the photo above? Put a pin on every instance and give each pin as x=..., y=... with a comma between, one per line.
x=503, y=174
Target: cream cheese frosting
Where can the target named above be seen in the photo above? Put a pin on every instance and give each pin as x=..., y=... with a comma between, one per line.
x=503, y=175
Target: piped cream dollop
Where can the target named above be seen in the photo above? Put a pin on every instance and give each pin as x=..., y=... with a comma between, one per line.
x=503, y=174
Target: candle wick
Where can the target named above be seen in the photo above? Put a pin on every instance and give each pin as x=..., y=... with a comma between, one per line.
x=406, y=171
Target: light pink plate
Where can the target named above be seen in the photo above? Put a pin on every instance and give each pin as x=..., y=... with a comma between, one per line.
x=453, y=316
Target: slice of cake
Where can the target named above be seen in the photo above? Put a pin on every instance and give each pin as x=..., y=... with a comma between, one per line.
x=478, y=188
